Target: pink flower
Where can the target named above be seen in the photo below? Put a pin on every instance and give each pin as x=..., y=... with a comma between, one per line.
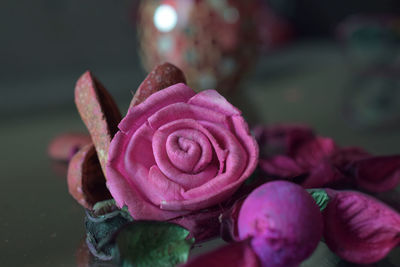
x=179, y=152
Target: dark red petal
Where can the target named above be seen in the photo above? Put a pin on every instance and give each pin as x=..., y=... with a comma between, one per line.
x=377, y=174
x=311, y=154
x=281, y=166
x=86, y=182
x=322, y=175
x=282, y=138
x=203, y=225
x=345, y=156
x=162, y=76
x=99, y=113
x=359, y=228
x=238, y=254
x=229, y=221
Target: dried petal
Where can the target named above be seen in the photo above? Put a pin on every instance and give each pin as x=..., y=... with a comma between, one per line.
x=233, y=255
x=377, y=174
x=203, y=225
x=359, y=228
x=64, y=146
x=229, y=222
x=86, y=181
x=282, y=138
x=162, y=76
x=321, y=175
x=313, y=152
x=99, y=113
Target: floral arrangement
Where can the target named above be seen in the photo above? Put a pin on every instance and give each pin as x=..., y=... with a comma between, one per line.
x=183, y=167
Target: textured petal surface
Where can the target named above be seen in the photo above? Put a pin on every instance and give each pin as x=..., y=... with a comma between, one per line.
x=178, y=152
x=359, y=228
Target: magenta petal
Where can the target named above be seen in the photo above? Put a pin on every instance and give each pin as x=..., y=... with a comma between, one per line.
x=212, y=100
x=359, y=228
x=348, y=155
x=202, y=225
x=322, y=175
x=282, y=138
x=127, y=195
x=238, y=254
x=281, y=166
x=137, y=115
x=377, y=174
x=313, y=152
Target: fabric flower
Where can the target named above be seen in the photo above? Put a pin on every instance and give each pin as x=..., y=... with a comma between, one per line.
x=179, y=152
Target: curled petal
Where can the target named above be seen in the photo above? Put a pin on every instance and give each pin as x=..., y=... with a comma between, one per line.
x=212, y=100
x=282, y=138
x=162, y=76
x=281, y=166
x=377, y=174
x=202, y=225
x=86, y=181
x=138, y=114
x=229, y=222
x=314, y=151
x=359, y=228
x=322, y=175
x=99, y=113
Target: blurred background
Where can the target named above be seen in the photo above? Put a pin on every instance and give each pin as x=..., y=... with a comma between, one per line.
x=332, y=64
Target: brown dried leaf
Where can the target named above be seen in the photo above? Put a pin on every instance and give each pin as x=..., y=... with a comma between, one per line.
x=86, y=181
x=162, y=76
x=99, y=113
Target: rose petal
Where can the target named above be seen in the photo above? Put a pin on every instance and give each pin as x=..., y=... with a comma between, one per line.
x=99, y=113
x=237, y=254
x=187, y=180
x=377, y=174
x=86, y=181
x=138, y=115
x=180, y=111
x=162, y=76
x=212, y=100
x=359, y=228
x=138, y=205
x=222, y=185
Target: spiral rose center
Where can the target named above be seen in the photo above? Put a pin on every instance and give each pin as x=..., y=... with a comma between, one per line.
x=189, y=150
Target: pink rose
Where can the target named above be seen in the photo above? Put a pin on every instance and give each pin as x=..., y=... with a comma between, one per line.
x=179, y=152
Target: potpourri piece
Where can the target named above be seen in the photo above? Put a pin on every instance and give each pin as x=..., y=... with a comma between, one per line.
x=182, y=167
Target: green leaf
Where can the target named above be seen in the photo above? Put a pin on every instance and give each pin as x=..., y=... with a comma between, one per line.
x=320, y=196
x=101, y=225
x=152, y=243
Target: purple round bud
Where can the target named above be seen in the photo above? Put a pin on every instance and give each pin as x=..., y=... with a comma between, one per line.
x=284, y=222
